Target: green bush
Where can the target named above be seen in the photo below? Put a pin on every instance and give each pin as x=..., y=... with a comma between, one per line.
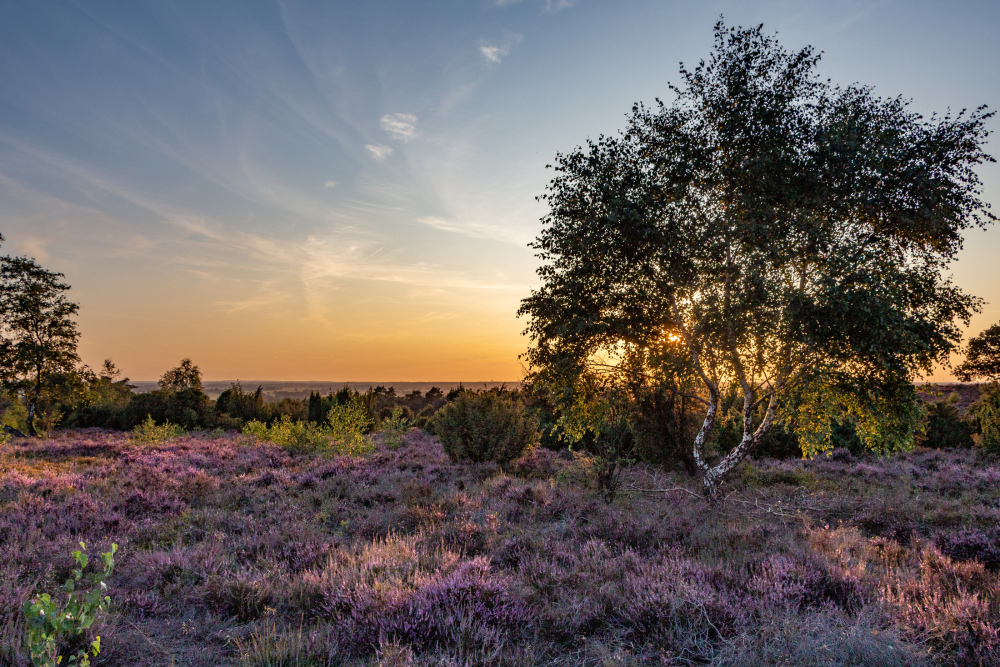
x=15, y=416
x=612, y=450
x=394, y=425
x=986, y=412
x=235, y=405
x=424, y=417
x=342, y=434
x=944, y=426
x=485, y=426
x=51, y=625
x=346, y=425
x=149, y=431
x=296, y=437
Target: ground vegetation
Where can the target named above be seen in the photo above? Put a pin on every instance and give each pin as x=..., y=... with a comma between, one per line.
x=234, y=551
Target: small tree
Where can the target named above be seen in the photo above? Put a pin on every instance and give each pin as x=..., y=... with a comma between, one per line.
x=184, y=376
x=767, y=232
x=982, y=358
x=39, y=338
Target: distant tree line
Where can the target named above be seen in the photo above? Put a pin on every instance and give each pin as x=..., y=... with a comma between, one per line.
x=650, y=417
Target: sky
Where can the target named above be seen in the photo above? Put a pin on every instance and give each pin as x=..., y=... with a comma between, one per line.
x=346, y=190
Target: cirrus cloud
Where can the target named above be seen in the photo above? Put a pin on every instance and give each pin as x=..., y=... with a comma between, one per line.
x=494, y=53
x=401, y=126
x=379, y=153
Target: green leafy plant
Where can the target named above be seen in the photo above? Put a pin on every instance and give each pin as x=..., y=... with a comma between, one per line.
x=16, y=416
x=46, y=419
x=51, y=624
x=394, y=426
x=982, y=357
x=944, y=426
x=149, y=432
x=296, y=437
x=342, y=434
x=485, y=426
x=986, y=412
x=613, y=449
x=347, y=424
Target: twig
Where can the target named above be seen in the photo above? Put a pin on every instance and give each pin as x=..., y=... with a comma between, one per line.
x=675, y=488
x=151, y=642
x=772, y=509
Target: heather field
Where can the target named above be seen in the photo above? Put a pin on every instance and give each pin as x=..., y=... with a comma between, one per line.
x=234, y=552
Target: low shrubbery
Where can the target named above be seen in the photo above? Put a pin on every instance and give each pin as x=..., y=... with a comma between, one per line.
x=986, y=413
x=394, y=424
x=151, y=432
x=485, y=426
x=344, y=432
x=347, y=423
x=296, y=437
x=944, y=425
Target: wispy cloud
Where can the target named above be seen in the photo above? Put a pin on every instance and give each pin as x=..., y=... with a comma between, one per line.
x=329, y=184
x=495, y=52
x=378, y=152
x=558, y=5
x=400, y=125
x=346, y=254
x=474, y=229
x=550, y=5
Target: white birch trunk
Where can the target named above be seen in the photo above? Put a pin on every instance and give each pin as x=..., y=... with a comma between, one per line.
x=751, y=436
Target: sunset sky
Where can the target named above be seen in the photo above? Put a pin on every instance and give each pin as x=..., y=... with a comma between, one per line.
x=345, y=190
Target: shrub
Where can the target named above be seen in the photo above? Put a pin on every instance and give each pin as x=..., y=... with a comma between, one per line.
x=485, y=426
x=424, y=417
x=986, y=412
x=50, y=625
x=47, y=419
x=972, y=544
x=664, y=424
x=15, y=416
x=613, y=448
x=296, y=437
x=149, y=432
x=347, y=424
x=319, y=406
x=343, y=433
x=944, y=427
x=394, y=425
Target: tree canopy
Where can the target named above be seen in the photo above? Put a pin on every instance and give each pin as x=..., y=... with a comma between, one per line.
x=767, y=232
x=38, y=337
x=982, y=357
x=185, y=376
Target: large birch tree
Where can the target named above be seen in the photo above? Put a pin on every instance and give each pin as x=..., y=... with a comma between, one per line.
x=780, y=236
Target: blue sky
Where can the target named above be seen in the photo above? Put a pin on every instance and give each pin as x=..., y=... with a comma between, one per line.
x=345, y=190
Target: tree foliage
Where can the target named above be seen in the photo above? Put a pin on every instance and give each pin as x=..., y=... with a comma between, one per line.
x=982, y=357
x=185, y=376
x=38, y=336
x=768, y=231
